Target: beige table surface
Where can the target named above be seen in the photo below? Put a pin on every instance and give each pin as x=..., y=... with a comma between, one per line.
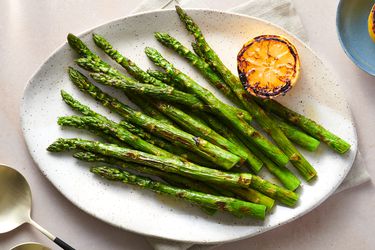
x=31, y=30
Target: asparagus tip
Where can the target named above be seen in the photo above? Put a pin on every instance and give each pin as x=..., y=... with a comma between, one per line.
x=161, y=35
x=149, y=50
x=71, y=38
x=60, y=120
x=59, y=145
x=179, y=9
x=71, y=70
x=107, y=172
x=77, y=78
x=181, y=13
x=76, y=44
x=100, y=40
x=152, y=53
x=64, y=94
x=67, y=98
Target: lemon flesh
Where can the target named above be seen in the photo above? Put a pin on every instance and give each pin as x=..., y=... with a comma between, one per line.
x=268, y=66
x=371, y=24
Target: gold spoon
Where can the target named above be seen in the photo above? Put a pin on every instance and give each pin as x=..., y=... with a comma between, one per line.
x=15, y=204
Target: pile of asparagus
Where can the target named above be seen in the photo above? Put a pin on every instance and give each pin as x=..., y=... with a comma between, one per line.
x=199, y=149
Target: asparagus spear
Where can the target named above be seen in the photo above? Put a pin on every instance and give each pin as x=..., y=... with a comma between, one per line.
x=295, y=135
x=106, y=137
x=296, y=158
x=202, y=147
x=309, y=126
x=126, y=63
x=219, y=108
x=93, y=62
x=113, y=129
x=284, y=175
x=282, y=195
x=166, y=145
x=236, y=207
x=163, y=163
x=142, y=76
x=80, y=47
x=166, y=93
x=168, y=177
x=76, y=105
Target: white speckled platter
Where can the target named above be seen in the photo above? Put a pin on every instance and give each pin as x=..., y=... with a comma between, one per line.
x=317, y=95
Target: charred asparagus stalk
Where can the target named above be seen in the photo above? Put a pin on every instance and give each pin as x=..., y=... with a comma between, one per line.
x=166, y=145
x=166, y=93
x=126, y=63
x=254, y=196
x=234, y=206
x=163, y=163
x=169, y=177
x=113, y=129
x=295, y=135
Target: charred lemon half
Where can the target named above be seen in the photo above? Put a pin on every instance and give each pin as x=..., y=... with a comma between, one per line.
x=268, y=65
x=371, y=23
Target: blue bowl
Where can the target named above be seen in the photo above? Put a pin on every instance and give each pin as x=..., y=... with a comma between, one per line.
x=351, y=22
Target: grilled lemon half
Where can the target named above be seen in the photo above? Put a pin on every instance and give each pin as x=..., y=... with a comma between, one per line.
x=268, y=65
x=371, y=23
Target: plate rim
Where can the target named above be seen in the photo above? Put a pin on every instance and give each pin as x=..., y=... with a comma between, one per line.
x=264, y=229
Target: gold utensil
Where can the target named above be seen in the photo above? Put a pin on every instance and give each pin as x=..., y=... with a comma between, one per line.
x=15, y=204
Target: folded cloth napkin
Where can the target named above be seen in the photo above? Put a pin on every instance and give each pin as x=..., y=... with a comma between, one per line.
x=282, y=13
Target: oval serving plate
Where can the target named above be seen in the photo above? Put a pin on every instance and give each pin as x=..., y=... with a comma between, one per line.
x=317, y=95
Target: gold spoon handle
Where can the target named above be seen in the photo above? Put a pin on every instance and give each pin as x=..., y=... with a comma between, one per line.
x=55, y=239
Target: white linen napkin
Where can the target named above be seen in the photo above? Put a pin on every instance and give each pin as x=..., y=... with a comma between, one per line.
x=282, y=13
